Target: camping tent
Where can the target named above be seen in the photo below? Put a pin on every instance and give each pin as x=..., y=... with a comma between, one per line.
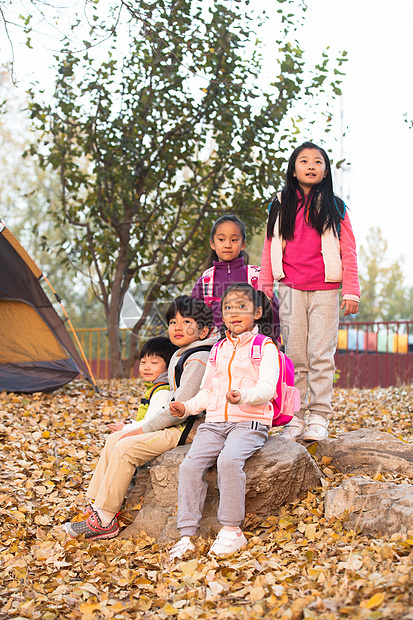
x=36, y=352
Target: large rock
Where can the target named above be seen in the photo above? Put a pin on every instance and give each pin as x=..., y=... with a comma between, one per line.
x=374, y=508
x=368, y=452
x=280, y=472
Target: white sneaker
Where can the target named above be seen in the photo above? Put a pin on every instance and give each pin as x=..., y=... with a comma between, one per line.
x=179, y=549
x=227, y=542
x=293, y=430
x=317, y=428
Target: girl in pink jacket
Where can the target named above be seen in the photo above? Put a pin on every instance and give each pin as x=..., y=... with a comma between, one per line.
x=236, y=394
x=310, y=250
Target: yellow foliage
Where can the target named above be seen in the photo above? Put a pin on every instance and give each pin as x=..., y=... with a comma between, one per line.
x=296, y=566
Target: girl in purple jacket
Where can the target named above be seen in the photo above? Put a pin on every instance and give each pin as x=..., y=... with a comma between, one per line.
x=227, y=264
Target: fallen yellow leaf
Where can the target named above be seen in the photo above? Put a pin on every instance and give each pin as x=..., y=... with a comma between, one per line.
x=374, y=601
x=89, y=608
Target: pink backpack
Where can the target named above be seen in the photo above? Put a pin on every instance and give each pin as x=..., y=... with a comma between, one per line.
x=286, y=399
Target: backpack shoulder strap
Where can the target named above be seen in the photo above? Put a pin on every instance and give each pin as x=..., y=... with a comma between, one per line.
x=214, y=352
x=253, y=274
x=256, y=347
x=158, y=386
x=179, y=368
x=189, y=422
x=283, y=369
x=208, y=282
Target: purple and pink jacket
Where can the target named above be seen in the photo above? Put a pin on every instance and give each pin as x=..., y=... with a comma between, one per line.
x=227, y=273
x=311, y=261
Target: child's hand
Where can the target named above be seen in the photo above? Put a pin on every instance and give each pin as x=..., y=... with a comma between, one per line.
x=177, y=409
x=351, y=307
x=116, y=426
x=233, y=397
x=135, y=431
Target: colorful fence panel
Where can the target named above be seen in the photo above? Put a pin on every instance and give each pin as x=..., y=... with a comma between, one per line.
x=378, y=354
x=368, y=354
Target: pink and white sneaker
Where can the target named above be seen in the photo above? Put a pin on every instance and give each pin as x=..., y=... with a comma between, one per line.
x=293, y=430
x=317, y=428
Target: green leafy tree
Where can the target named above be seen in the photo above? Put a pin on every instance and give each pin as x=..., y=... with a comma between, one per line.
x=158, y=139
x=384, y=295
x=27, y=196
x=397, y=297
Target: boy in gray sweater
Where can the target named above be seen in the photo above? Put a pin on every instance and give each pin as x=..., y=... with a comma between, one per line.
x=189, y=327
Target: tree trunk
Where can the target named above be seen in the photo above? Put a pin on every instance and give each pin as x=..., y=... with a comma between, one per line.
x=133, y=352
x=115, y=348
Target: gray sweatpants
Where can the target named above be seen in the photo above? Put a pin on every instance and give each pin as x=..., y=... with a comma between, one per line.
x=233, y=443
x=309, y=327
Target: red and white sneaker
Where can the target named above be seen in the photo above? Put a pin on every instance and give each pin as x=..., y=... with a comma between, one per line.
x=89, y=509
x=92, y=527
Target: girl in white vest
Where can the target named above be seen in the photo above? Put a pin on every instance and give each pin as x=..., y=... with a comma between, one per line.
x=309, y=249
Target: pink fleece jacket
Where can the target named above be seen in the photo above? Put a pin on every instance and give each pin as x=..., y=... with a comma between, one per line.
x=339, y=258
x=234, y=369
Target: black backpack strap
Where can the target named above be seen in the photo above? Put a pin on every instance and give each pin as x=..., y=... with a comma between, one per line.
x=179, y=368
x=189, y=422
x=161, y=384
x=145, y=401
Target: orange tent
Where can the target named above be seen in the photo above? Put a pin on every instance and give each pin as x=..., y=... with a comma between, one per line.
x=36, y=352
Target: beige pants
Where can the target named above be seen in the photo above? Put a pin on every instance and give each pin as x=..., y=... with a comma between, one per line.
x=309, y=327
x=119, y=459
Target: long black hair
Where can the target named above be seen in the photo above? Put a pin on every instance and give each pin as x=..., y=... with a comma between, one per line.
x=259, y=299
x=226, y=218
x=325, y=209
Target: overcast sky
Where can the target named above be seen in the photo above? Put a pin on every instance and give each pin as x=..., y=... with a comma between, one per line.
x=377, y=93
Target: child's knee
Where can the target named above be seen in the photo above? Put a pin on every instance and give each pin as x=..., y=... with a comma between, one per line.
x=110, y=443
x=227, y=463
x=113, y=438
x=187, y=467
x=119, y=449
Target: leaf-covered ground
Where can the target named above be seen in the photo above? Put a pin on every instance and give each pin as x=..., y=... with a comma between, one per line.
x=296, y=564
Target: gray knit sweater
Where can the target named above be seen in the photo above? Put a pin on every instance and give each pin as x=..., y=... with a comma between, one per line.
x=191, y=378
